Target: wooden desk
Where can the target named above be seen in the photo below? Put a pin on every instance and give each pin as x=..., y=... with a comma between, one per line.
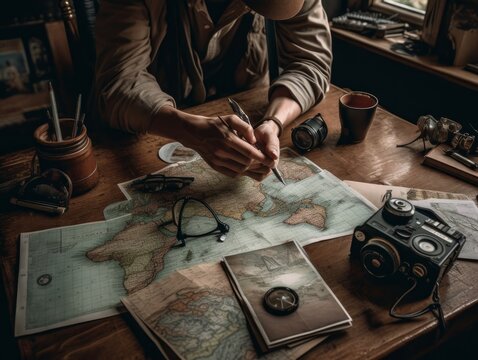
x=374, y=334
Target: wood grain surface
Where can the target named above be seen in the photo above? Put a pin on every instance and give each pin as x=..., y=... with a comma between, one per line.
x=373, y=335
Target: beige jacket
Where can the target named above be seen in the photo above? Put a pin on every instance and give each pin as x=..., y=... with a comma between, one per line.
x=132, y=76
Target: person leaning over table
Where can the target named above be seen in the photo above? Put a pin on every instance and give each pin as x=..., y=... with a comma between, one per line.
x=222, y=49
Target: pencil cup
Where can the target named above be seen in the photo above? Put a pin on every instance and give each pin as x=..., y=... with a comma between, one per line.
x=73, y=155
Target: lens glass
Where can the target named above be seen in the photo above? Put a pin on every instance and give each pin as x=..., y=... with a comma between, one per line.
x=303, y=139
x=380, y=258
x=194, y=217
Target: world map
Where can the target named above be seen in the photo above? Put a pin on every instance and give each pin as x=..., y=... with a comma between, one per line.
x=91, y=266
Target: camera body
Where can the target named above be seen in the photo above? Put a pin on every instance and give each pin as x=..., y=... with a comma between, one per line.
x=401, y=241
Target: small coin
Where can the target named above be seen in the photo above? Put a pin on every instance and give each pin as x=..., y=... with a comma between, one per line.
x=44, y=279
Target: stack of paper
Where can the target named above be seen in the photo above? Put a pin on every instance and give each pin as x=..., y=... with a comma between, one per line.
x=253, y=274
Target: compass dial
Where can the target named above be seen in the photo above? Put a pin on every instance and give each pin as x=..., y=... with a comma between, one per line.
x=281, y=300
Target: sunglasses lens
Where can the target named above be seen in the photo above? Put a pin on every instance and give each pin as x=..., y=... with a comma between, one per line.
x=196, y=218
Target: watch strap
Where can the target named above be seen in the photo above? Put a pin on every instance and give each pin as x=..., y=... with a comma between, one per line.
x=273, y=119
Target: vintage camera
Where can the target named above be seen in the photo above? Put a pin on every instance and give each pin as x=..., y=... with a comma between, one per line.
x=310, y=134
x=401, y=241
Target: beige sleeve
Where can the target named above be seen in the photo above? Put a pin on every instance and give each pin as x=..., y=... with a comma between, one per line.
x=305, y=54
x=127, y=95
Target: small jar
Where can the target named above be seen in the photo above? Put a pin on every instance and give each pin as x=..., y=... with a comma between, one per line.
x=73, y=155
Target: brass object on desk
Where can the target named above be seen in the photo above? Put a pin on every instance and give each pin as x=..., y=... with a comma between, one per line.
x=445, y=131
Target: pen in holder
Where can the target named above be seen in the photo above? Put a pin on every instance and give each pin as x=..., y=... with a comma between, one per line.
x=73, y=155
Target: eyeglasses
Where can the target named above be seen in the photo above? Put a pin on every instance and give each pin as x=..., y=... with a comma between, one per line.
x=161, y=183
x=195, y=218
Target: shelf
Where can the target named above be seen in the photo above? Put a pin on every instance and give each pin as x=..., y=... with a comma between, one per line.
x=455, y=74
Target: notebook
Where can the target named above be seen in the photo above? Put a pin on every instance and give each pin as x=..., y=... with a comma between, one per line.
x=436, y=158
x=286, y=271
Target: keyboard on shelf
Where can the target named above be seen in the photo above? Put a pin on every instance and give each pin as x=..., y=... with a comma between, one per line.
x=370, y=23
x=371, y=17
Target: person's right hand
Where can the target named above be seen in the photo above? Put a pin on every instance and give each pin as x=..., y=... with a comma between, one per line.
x=227, y=145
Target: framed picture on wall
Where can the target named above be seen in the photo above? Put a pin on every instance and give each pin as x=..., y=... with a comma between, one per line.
x=26, y=62
x=31, y=55
x=14, y=69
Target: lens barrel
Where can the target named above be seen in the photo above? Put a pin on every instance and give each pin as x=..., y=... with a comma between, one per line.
x=380, y=258
x=310, y=134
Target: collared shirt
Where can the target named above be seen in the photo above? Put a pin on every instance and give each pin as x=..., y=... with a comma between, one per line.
x=133, y=75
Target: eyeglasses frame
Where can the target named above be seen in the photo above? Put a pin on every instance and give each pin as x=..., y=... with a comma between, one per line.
x=222, y=227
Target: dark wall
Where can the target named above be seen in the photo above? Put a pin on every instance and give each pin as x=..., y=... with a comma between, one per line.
x=401, y=89
x=334, y=7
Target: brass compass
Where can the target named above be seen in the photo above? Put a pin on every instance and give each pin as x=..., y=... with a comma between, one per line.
x=281, y=300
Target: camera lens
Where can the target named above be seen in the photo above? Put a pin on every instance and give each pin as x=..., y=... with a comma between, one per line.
x=310, y=134
x=380, y=258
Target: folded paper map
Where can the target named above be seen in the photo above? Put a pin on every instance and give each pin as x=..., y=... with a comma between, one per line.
x=79, y=273
x=193, y=314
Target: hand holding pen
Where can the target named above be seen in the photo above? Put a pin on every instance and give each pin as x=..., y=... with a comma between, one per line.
x=243, y=116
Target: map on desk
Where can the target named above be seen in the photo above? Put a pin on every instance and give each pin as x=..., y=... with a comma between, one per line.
x=79, y=273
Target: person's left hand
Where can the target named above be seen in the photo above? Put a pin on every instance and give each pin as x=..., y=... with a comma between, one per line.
x=268, y=143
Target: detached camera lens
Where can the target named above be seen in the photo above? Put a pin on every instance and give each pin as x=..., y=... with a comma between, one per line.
x=310, y=134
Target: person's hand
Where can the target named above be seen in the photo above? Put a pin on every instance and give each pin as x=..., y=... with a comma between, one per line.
x=268, y=140
x=220, y=144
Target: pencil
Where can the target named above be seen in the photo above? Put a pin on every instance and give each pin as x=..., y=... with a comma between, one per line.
x=243, y=116
x=54, y=110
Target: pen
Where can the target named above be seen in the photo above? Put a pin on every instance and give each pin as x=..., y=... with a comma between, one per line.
x=243, y=116
x=77, y=116
x=80, y=124
x=38, y=205
x=54, y=110
x=51, y=131
x=461, y=159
